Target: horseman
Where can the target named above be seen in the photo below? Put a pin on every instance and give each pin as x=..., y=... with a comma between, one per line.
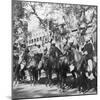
x=54, y=55
x=45, y=52
x=88, y=51
x=26, y=56
x=70, y=52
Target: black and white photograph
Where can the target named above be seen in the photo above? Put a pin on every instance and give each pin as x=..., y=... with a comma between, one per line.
x=54, y=49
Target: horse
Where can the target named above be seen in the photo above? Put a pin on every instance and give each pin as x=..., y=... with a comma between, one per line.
x=33, y=68
x=46, y=65
x=82, y=70
x=50, y=65
x=19, y=74
x=16, y=75
x=55, y=64
x=63, y=69
x=16, y=69
x=43, y=65
x=22, y=71
x=66, y=66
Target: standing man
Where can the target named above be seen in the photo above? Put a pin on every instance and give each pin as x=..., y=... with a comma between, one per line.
x=88, y=51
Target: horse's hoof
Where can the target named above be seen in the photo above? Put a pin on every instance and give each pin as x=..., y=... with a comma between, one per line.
x=60, y=90
x=46, y=85
x=85, y=91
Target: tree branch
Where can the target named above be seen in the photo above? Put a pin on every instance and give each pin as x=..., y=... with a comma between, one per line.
x=35, y=13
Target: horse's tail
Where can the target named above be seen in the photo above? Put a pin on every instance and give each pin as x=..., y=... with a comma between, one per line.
x=40, y=64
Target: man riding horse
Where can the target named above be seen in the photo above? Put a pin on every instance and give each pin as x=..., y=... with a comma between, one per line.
x=53, y=61
x=54, y=52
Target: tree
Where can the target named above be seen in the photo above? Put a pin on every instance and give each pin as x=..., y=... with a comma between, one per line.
x=19, y=28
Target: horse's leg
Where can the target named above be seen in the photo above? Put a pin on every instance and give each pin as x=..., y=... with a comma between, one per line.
x=86, y=84
x=83, y=79
x=95, y=86
x=74, y=83
x=50, y=77
x=74, y=75
x=22, y=76
x=36, y=76
x=63, y=77
x=95, y=75
x=47, y=77
x=64, y=80
x=18, y=77
x=39, y=74
x=31, y=77
x=15, y=81
x=59, y=77
x=31, y=80
x=80, y=87
x=14, y=78
x=80, y=82
x=34, y=73
x=61, y=81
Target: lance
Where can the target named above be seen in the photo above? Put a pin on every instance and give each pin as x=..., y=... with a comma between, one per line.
x=74, y=30
x=82, y=28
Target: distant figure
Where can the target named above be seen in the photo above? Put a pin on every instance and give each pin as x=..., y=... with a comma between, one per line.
x=70, y=51
x=88, y=49
x=54, y=51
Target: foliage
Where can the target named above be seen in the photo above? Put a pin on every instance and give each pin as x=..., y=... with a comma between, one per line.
x=59, y=19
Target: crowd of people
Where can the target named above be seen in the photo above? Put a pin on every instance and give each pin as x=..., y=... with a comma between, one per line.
x=79, y=60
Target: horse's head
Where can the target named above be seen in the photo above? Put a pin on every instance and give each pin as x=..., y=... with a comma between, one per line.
x=64, y=59
x=77, y=54
x=73, y=48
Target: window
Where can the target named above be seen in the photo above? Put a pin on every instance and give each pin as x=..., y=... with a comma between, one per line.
x=26, y=41
x=40, y=38
x=46, y=39
x=29, y=41
x=34, y=40
x=37, y=39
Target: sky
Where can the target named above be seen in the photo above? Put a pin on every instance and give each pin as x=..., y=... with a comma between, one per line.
x=44, y=12
x=49, y=11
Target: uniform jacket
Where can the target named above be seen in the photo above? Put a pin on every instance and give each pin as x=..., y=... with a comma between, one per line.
x=89, y=48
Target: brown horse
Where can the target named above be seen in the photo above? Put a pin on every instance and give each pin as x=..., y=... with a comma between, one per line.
x=78, y=58
x=33, y=68
x=82, y=70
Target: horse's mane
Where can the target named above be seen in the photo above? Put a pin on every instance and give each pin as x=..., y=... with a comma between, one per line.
x=77, y=54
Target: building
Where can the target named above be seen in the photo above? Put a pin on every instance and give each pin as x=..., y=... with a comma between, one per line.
x=37, y=40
